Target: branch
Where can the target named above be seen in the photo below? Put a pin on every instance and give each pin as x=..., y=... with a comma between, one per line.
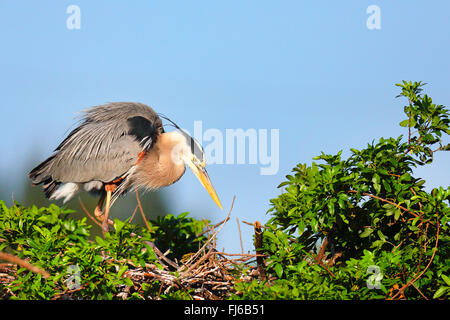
x=213, y=227
x=161, y=255
x=142, y=211
x=409, y=125
x=321, y=253
x=390, y=202
x=134, y=213
x=251, y=255
x=87, y=213
x=414, y=279
x=240, y=234
x=23, y=264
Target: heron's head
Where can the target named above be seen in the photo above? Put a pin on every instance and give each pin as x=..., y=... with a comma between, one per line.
x=189, y=151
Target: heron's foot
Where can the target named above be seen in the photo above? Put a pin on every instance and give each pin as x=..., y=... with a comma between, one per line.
x=99, y=215
x=106, y=221
x=105, y=226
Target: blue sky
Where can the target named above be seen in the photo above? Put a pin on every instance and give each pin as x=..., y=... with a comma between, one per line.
x=311, y=69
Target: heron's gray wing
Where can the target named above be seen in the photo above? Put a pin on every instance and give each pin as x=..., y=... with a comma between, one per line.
x=104, y=164
x=103, y=151
x=105, y=146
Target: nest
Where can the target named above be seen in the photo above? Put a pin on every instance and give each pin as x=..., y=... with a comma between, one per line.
x=207, y=274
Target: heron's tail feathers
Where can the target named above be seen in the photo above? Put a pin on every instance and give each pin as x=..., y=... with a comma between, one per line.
x=42, y=174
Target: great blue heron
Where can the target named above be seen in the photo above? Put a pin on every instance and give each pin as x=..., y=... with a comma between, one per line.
x=118, y=147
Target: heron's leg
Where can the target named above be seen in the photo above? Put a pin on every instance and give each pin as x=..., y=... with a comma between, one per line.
x=98, y=209
x=109, y=190
x=105, y=226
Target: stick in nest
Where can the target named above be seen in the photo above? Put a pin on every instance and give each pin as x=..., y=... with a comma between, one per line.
x=240, y=234
x=189, y=264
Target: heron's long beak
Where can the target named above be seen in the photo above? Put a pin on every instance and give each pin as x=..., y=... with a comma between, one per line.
x=203, y=177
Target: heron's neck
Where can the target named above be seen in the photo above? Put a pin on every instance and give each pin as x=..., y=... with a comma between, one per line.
x=161, y=167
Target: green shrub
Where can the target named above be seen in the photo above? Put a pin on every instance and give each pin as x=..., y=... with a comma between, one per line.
x=363, y=227
x=81, y=268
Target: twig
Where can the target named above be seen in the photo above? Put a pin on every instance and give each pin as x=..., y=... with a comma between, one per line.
x=328, y=270
x=68, y=291
x=251, y=255
x=240, y=234
x=390, y=202
x=14, y=201
x=414, y=279
x=333, y=259
x=142, y=211
x=134, y=213
x=213, y=227
x=321, y=264
x=88, y=214
x=438, y=149
x=23, y=264
x=409, y=125
x=161, y=255
x=206, y=244
x=397, y=246
x=424, y=296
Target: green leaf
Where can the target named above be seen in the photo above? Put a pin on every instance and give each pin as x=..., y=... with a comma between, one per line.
x=341, y=203
x=376, y=182
x=273, y=238
x=344, y=218
x=404, y=123
x=127, y=281
x=386, y=186
x=330, y=205
x=278, y=269
x=283, y=184
x=397, y=214
x=122, y=270
x=446, y=279
x=292, y=212
x=440, y=292
x=381, y=235
x=367, y=232
x=118, y=224
x=100, y=241
x=301, y=227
